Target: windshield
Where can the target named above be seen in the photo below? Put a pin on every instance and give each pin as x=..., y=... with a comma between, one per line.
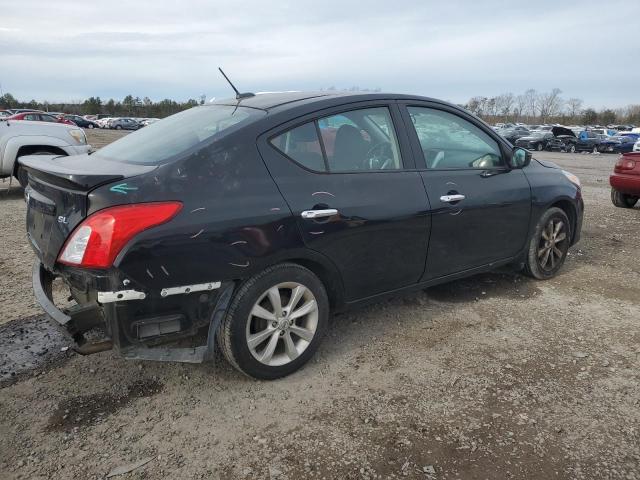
x=163, y=140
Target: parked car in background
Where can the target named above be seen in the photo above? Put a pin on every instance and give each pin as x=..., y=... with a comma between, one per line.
x=36, y=138
x=539, y=141
x=252, y=218
x=81, y=121
x=21, y=110
x=625, y=181
x=40, y=117
x=149, y=121
x=617, y=144
x=513, y=134
x=5, y=113
x=124, y=124
x=636, y=146
x=586, y=141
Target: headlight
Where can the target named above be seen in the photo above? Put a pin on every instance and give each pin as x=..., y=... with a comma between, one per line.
x=78, y=135
x=572, y=178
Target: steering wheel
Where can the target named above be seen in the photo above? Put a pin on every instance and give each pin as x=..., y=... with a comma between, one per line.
x=379, y=157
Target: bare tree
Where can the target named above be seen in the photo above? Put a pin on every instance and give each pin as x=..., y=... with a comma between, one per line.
x=531, y=99
x=549, y=104
x=574, y=107
x=505, y=103
x=520, y=107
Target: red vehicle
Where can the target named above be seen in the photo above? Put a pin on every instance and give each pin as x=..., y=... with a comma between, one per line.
x=625, y=181
x=40, y=117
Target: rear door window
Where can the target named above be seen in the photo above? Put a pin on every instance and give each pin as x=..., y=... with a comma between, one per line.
x=358, y=140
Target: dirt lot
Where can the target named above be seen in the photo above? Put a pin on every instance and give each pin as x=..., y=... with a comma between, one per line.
x=497, y=376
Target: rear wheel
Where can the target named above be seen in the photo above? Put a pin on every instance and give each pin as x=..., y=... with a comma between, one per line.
x=90, y=126
x=275, y=322
x=539, y=147
x=118, y=127
x=595, y=149
x=549, y=245
x=571, y=148
x=623, y=200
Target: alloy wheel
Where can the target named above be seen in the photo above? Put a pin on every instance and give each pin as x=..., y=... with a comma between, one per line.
x=282, y=324
x=551, y=246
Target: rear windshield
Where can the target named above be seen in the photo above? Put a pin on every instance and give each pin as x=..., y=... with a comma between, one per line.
x=163, y=140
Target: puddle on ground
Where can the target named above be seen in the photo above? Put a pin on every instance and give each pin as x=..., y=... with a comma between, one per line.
x=29, y=343
x=88, y=410
x=486, y=285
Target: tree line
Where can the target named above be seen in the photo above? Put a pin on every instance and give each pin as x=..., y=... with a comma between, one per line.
x=129, y=106
x=548, y=107
x=529, y=107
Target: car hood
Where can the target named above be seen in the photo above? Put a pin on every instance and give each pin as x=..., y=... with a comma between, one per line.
x=558, y=131
x=546, y=163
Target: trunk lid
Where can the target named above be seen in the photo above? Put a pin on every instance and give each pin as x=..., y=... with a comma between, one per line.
x=57, y=196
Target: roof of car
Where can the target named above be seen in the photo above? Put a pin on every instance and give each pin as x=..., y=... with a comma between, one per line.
x=282, y=100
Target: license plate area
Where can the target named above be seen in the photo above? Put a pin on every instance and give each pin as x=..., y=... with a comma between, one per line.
x=41, y=213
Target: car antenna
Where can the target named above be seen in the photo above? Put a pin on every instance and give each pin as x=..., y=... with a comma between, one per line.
x=239, y=96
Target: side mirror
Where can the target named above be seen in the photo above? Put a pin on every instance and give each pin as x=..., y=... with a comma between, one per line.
x=520, y=158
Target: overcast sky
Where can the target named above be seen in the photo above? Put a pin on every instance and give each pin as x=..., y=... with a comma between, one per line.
x=61, y=50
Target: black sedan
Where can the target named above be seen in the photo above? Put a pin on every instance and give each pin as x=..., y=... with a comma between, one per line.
x=251, y=219
x=81, y=121
x=539, y=141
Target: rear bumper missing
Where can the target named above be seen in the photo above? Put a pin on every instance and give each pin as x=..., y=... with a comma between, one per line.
x=140, y=338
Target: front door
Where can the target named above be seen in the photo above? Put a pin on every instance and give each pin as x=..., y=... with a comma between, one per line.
x=480, y=207
x=343, y=176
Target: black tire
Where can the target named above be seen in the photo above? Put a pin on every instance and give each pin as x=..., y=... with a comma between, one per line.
x=595, y=149
x=232, y=334
x=90, y=126
x=571, y=148
x=118, y=127
x=623, y=200
x=538, y=265
x=539, y=147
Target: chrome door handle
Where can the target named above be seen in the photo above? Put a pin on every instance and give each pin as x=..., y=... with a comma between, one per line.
x=311, y=214
x=452, y=198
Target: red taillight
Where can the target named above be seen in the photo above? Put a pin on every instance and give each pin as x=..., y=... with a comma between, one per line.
x=625, y=164
x=99, y=238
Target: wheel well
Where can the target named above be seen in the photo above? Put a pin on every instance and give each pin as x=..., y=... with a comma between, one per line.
x=31, y=149
x=329, y=278
x=568, y=208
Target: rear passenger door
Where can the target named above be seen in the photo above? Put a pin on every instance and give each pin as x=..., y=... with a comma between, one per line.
x=480, y=208
x=345, y=174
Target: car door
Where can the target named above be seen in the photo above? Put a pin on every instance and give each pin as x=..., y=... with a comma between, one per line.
x=480, y=208
x=344, y=176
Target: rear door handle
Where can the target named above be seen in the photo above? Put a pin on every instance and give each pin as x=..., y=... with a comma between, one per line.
x=452, y=198
x=311, y=214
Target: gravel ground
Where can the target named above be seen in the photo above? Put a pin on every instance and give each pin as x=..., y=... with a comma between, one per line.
x=497, y=376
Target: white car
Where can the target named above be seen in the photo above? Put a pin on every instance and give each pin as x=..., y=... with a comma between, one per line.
x=24, y=137
x=636, y=146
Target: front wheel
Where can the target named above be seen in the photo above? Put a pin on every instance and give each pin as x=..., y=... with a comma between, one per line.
x=118, y=127
x=571, y=148
x=90, y=126
x=623, y=200
x=549, y=245
x=595, y=149
x=275, y=322
x=539, y=147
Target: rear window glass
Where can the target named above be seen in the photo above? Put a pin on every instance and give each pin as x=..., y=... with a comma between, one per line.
x=162, y=140
x=302, y=145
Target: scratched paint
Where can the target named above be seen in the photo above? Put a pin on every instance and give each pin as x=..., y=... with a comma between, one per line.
x=245, y=265
x=149, y=273
x=164, y=270
x=322, y=193
x=238, y=242
x=197, y=234
x=317, y=233
x=200, y=209
x=122, y=188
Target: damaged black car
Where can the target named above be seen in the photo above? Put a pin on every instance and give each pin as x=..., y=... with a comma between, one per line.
x=245, y=222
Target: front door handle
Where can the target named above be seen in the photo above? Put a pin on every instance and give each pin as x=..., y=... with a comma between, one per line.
x=312, y=214
x=452, y=198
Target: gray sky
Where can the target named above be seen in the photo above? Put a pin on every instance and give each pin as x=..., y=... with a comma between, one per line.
x=63, y=50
